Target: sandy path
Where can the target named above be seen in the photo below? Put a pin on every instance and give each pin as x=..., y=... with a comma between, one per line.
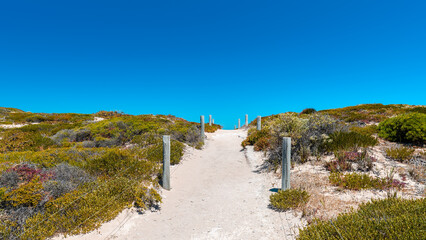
x=215, y=195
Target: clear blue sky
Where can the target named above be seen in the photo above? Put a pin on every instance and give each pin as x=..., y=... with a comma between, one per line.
x=225, y=58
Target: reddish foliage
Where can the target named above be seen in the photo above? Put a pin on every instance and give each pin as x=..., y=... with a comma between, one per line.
x=27, y=173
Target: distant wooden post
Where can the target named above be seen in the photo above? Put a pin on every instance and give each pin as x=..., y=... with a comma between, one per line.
x=166, y=162
x=210, y=120
x=259, y=123
x=239, y=123
x=235, y=127
x=213, y=121
x=202, y=127
x=286, y=163
x=246, y=120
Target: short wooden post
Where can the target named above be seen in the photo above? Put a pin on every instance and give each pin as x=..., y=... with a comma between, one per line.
x=239, y=123
x=213, y=121
x=286, y=163
x=259, y=123
x=210, y=120
x=202, y=127
x=235, y=127
x=166, y=162
x=246, y=120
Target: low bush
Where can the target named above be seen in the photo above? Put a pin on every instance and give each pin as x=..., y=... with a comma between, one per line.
x=366, y=130
x=349, y=141
x=361, y=161
x=391, y=218
x=72, y=135
x=63, y=197
x=15, y=140
x=253, y=136
x=288, y=199
x=262, y=144
x=358, y=181
x=401, y=154
x=308, y=136
x=407, y=128
x=339, y=165
x=155, y=152
x=213, y=128
x=28, y=194
x=308, y=111
x=109, y=114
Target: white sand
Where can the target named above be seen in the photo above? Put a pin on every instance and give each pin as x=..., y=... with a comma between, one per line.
x=13, y=125
x=215, y=195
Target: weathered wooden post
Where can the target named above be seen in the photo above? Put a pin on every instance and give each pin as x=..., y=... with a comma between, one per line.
x=235, y=127
x=239, y=123
x=166, y=162
x=213, y=121
x=210, y=120
x=246, y=120
x=286, y=163
x=202, y=127
x=259, y=123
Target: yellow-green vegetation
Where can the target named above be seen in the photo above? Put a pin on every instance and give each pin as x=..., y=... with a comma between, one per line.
x=69, y=174
x=212, y=128
x=309, y=135
x=401, y=153
x=288, y=199
x=391, y=218
x=406, y=128
x=372, y=112
x=365, y=130
x=358, y=181
x=18, y=140
x=349, y=141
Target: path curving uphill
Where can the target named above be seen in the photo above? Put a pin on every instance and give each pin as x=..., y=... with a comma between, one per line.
x=216, y=194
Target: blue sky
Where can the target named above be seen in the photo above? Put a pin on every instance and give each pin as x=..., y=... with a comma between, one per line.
x=224, y=58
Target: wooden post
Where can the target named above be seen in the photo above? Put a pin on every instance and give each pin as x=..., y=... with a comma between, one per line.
x=210, y=120
x=246, y=120
x=286, y=163
x=213, y=121
x=259, y=123
x=166, y=162
x=202, y=127
x=235, y=127
x=239, y=123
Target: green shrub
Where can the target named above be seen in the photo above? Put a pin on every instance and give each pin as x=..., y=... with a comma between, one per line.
x=407, y=128
x=15, y=140
x=367, y=130
x=26, y=195
x=401, y=154
x=349, y=141
x=253, y=136
x=358, y=181
x=86, y=209
x=308, y=136
x=391, y=218
x=288, y=199
x=308, y=111
x=155, y=152
x=262, y=144
x=213, y=128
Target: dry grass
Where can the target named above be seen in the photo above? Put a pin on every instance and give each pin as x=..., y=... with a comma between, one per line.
x=325, y=202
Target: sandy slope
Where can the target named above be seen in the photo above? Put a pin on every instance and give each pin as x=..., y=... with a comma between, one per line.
x=215, y=195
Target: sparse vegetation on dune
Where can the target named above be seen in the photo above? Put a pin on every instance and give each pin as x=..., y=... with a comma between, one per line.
x=350, y=152
x=68, y=173
x=368, y=113
x=390, y=218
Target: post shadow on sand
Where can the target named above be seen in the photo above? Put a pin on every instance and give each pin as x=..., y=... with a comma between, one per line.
x=274, y=190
